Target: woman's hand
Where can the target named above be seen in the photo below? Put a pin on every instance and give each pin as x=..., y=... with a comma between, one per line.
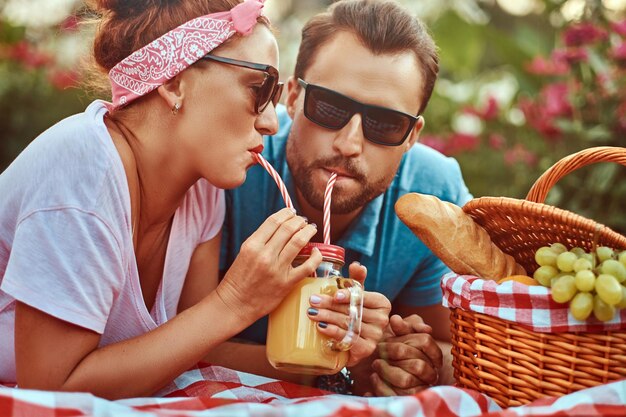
x=331, y=314
x=262, y=275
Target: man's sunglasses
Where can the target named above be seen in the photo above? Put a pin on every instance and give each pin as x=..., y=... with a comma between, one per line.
x=269, y=91
x=332, y=110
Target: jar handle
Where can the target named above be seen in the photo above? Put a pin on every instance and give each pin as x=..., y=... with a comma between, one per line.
x=356, y=313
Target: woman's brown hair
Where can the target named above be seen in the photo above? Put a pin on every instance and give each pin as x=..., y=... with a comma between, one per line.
x=124, y=26
x=384, y=27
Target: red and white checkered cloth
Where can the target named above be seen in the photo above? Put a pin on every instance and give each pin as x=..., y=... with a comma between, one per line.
x=211, y=391
x=529, y=306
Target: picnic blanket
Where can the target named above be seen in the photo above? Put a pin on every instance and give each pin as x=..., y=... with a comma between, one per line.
x=212, y=391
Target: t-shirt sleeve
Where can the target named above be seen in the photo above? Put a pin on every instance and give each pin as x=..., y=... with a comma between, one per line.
x=424, y=287
x=66, y=263
x=215, y=211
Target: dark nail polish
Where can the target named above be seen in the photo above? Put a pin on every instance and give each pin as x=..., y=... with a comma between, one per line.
x=312, y=311
x=322, y=324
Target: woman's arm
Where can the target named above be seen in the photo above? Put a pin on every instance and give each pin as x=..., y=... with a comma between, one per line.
x=56, y=355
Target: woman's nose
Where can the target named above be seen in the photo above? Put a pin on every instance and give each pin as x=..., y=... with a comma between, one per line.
x=267, y=121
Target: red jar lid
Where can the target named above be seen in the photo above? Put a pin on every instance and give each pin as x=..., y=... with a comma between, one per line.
x=330, y=252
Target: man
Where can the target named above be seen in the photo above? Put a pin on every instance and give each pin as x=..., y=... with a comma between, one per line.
x=364, y=74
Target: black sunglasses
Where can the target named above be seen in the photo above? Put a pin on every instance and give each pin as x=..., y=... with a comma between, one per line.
x=333, y=110
x=270, y=89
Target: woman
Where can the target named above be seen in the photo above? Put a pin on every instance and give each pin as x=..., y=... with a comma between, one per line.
x=109, y=225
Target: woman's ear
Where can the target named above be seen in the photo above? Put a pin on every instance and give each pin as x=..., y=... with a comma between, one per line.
x=415, y=133
x=293, y=92
x=172, y=92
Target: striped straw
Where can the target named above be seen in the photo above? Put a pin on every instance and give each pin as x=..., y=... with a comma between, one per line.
x=327, y=198
x=279, y=181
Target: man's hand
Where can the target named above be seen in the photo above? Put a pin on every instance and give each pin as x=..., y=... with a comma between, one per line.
x=409, y=358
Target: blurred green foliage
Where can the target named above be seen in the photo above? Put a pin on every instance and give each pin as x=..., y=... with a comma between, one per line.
x=513, y=96
x=518, y=94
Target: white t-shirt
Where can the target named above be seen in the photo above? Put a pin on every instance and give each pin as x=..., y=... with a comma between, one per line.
x=66, y=241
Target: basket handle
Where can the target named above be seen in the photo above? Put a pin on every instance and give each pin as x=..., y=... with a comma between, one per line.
x=546, y=181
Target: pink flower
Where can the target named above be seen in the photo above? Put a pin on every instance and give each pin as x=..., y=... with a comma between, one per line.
x=554, y=97
x=496, y=141
x=539, y=120
x=583, y=34
x=542, y=66
x=461, y=142
x=28, y=55
x=619, y=27
x=619, y=53
x=488, y=112
x=570, y=55
x=434, y=142
x=519, y=154
x=63, y=79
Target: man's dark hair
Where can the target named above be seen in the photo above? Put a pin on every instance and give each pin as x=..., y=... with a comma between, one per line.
x=384, y=27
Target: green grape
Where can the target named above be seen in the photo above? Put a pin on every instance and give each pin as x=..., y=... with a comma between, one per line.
x=622, y=304
x=582, y=264
x=615, y=268
x=565, y=261
x=602, y=310
x=591, y=258
x=622, y=257
x=543, y=274
x=585, y=280
x=604, y=253
x=558, y=248
x=564, y=289
x=578, y=251
x=581, y=306
x=608, y=289
x=545, y=256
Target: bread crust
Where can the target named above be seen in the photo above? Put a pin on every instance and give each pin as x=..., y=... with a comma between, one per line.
x=454, y=237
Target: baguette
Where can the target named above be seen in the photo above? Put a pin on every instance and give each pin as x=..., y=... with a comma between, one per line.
x=455, y=238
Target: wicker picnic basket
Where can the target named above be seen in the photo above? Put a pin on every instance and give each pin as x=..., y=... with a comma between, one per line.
x=508, y=362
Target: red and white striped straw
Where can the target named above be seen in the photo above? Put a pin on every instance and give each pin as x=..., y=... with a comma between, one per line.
x=279, y=181
x=327, y=198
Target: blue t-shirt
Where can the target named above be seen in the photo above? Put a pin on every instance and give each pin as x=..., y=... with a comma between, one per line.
x=398, y=264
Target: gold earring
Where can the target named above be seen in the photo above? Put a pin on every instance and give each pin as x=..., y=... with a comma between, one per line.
x=175, y=109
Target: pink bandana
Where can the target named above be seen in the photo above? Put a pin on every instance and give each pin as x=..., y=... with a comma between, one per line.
x=151, y=66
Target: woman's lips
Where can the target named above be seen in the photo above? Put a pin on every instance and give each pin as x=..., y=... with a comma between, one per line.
x=257, y=149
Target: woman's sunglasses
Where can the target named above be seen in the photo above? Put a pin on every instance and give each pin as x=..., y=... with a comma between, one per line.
x=332, y=110
x=270, y=89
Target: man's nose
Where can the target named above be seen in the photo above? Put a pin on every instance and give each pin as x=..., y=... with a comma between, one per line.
x=267, y=122
x=349, y=139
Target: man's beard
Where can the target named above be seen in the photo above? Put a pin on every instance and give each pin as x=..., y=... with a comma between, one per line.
x=341, y=203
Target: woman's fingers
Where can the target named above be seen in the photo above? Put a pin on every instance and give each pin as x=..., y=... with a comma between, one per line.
x=288, y=250
x=267, y=229
x=308, y=267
